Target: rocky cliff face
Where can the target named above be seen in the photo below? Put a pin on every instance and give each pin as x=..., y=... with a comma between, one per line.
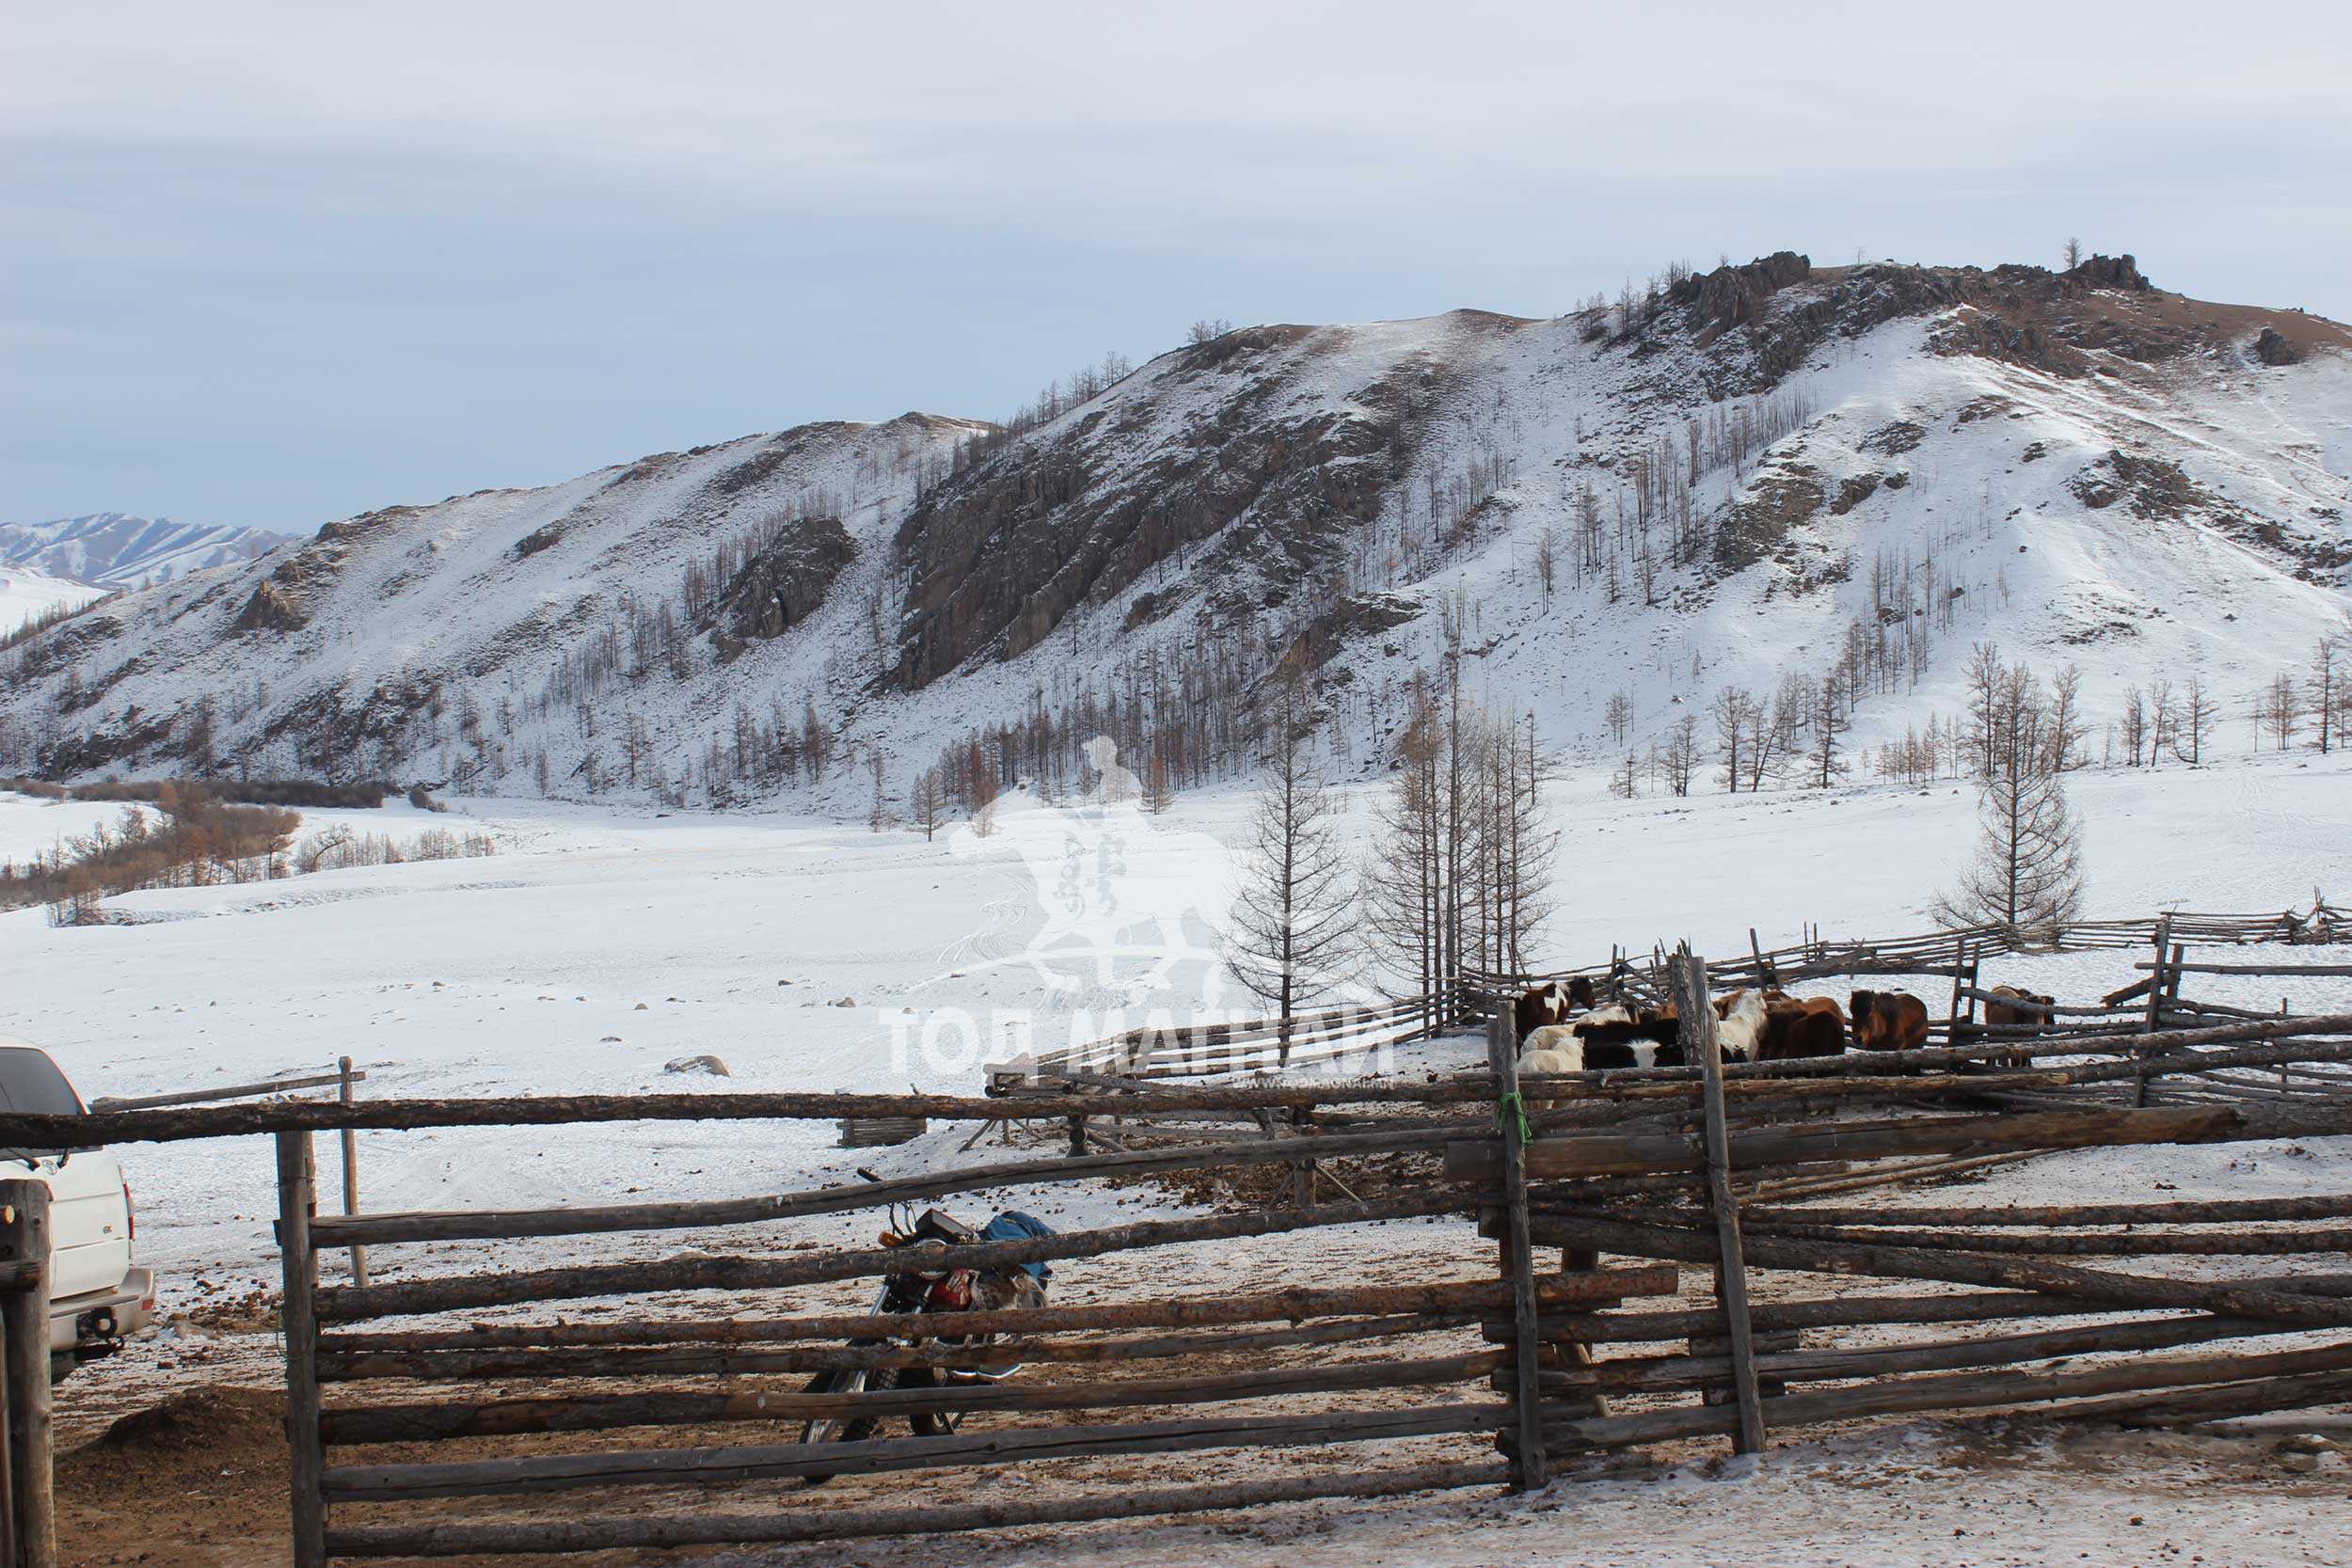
x=1208, y=445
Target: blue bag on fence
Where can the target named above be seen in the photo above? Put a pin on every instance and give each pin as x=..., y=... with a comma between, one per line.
x=1014, y=1225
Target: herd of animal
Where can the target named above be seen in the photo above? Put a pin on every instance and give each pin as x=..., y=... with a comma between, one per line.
x=1564, y=1028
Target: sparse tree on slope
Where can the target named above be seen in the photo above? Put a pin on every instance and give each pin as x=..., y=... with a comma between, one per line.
x=1731, y=710
x=2135, y=726
x=2066, y=720
x=930, y=801
x=2196, y=715
x=1625, y=783
x=2027, y=871
x=1402, y=886
x=2279, y=711
x=1158, y=794
x=1289, y=926
x=1681, y=756
x=1985, y=675
x=2325, y=689
x=1827, y=763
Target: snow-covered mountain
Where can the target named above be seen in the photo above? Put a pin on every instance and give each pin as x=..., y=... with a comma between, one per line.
x=27, y=596
x=1737, y=475
x=113, y=549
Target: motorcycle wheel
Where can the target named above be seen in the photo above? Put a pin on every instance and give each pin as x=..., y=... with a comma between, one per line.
x=930, y=1424
x=839, y=1428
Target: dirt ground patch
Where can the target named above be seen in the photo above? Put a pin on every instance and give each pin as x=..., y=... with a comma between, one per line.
x=200, y=1479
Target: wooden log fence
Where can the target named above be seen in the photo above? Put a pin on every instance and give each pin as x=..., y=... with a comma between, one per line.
x=1931, y=954
x=452, y=1358
x=343, y=1079
x=2012, y=1306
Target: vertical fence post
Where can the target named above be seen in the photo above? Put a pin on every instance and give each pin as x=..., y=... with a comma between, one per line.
x=2282, y=1066
x=7, y=1485
x=2155, y=1006
x=24, y=1322
x=1731, y=1273
x=298, y=1200
x=1530, y=1467
x=351, y=1181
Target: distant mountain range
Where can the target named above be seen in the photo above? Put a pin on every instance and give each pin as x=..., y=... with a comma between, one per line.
x=1756, y=479
x=113, y=549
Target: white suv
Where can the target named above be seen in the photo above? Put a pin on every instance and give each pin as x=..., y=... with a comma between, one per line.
x=96, y=1294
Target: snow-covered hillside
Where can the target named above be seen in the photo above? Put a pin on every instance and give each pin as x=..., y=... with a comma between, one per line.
x=27, y=595
x=113, y=549
x=1755, y=471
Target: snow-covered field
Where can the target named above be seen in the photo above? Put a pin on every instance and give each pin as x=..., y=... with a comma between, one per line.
x=598, y=945
x=30, y=826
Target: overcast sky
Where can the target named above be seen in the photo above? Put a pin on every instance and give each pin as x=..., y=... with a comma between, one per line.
x=276, y=265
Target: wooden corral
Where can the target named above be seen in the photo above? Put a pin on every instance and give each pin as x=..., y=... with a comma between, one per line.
x=1632, y=1174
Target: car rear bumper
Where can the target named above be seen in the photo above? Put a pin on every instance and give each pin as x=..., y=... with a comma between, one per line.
x=94, y=1321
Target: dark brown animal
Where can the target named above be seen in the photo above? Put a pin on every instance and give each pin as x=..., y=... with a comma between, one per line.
x=1556, y=1002
x=1796, y=1027
x=1888, y=1021
x=2008, y=1014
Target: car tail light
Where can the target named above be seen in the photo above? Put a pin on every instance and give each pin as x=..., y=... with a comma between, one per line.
x=130, y=1215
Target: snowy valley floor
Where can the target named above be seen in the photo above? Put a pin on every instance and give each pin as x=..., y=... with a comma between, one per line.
x=598, y=945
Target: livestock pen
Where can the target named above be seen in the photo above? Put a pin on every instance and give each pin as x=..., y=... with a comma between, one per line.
x=519, y=1409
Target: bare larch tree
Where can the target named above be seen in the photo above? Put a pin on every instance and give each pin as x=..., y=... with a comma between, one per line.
x=2027, y=871
x=1290, y=931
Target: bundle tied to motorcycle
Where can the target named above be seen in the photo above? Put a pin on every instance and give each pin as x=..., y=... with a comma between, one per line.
x=924, y=1286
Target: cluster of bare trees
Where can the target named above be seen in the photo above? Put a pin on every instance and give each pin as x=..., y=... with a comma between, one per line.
x=705, y=580
x=1181, y=715
x=1054, y=399
x=190, y=839
x=1649, y=524
x=1458, y=873
x=2159, y=720
x=186, y=835
x=1797, y=730
x=1635, y=308
x=342, y=846
x=2321, y=701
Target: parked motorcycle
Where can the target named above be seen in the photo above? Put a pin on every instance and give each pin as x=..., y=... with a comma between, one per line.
x=924, y=1286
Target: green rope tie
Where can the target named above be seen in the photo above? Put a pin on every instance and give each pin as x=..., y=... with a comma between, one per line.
x=1511, y=1116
